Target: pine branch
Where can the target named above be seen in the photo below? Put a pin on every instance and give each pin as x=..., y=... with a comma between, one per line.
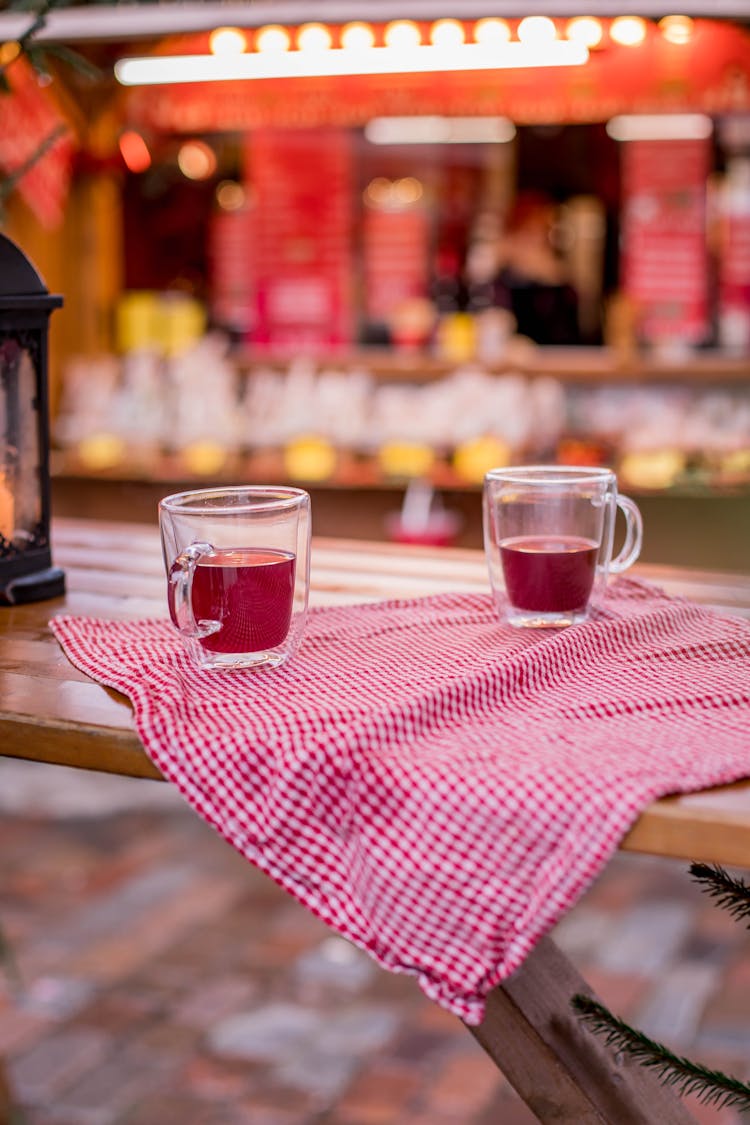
x=730, y=893
x=38, y=53
x=8, y=183
x=40, y=10
x=73, y=59
x=9, y=963
x=711, y=1087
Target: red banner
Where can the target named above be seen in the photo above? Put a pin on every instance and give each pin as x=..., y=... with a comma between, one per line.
x=395, y=249
x=664, y=254
x=29, y=115
x=303, y=186
x=232, y=263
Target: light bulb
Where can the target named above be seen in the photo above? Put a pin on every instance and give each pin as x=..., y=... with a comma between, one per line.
x=408, y=190
x=586, y=30
x=378, y=192
x=628, y=31
x=227, y=41
x=447, y=33
x=9, y=51
x=313, y=37
x=491, y=32
x=536, y=29
x=273, y=37
x=230, y=196
x=402, y=34
x=196, y=160
x=134, y=151
x=677, y=29
x=357, y=36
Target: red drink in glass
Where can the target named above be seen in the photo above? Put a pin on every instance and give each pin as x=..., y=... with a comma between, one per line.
x=549, y=573
x=250, y=592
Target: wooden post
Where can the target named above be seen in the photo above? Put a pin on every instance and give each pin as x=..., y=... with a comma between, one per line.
x=6, y=1098
x=562, y=1071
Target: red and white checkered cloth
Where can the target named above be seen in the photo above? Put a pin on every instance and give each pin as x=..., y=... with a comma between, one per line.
x=436, y=786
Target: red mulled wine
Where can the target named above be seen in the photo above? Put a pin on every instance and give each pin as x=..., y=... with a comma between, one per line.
x=549, y=573
x=250, y=592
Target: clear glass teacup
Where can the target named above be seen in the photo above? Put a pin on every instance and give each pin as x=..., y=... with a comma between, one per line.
x=549, y=535
x=238, y=572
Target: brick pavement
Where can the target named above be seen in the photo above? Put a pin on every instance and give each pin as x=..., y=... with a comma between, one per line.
x=166, y=982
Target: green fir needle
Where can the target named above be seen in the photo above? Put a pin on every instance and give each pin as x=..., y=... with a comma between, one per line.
x=730, y=893
x=712, y=1087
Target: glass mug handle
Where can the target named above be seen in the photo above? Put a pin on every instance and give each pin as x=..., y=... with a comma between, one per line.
x=180, y=593
x=631, y=548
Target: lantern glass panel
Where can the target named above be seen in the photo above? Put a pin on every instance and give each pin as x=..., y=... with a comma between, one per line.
x=20, y=452
x=26, y=570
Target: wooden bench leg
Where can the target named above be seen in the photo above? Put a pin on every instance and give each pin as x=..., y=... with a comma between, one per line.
x=562, y=1070
x=6, y=1099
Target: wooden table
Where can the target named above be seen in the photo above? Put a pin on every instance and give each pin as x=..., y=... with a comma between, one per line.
x=50, y=712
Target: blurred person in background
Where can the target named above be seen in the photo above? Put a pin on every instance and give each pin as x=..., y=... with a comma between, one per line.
x=531, y=279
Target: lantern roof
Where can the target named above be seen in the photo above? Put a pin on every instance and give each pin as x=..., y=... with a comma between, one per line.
x=20, y=284
x=17, y=275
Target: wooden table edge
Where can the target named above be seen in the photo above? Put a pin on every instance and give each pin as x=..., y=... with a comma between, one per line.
x=80, y=747
x=692, y=826
x=710, y=825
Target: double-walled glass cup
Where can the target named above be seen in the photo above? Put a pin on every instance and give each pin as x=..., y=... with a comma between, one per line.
x=238, y=572
x=548, y=536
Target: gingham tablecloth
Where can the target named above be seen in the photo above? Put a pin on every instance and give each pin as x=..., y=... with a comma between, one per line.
x=436, y=786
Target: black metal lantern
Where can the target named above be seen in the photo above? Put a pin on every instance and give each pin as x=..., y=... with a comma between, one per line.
x=26, y=571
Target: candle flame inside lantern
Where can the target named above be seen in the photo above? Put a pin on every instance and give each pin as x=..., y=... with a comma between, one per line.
x=7, y=511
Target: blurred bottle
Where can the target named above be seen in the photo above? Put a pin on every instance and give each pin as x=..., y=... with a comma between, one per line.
x=492, y=326
x=455, y=339
x=582, y=232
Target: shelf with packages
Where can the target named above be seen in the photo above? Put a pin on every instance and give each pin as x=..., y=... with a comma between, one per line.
x=584, y=365
x=357, y=429
x=366, y=419
x=350, y=471
x=707, y=525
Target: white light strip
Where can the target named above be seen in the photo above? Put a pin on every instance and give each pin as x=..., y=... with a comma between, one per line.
x=660, y=127
x=167, y=69
x=128, y=20
x=439, y=130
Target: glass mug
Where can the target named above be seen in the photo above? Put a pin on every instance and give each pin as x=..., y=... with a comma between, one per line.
x=548, y=536
x=238, y=572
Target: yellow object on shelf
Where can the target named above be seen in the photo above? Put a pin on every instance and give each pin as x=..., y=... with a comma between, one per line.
x=204, y=457
x=653, y=468
x=101, y=451
x=405, y=459
x=165, y=323
x=136, y=322
x=473, y=459
x=310, y=459
x=456, y=337
x=181, y=323
x=738, y=461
